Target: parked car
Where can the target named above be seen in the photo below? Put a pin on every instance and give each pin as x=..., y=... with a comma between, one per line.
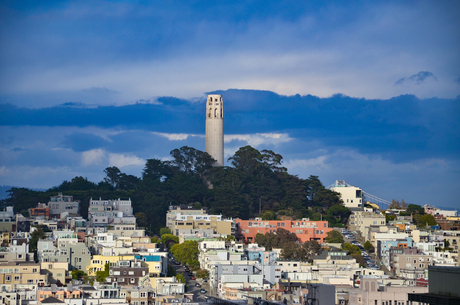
x=203, y=291
x=198, y=285
x=193, y=278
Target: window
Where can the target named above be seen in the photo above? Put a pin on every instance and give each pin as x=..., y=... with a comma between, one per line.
x=8, y=278
x=142, y=294
x=16, y=278
x=34, y=270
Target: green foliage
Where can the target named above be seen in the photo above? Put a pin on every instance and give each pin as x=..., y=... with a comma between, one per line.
x=171, y=271
x=389, y=217
x=415, y=209
x=101, y=275
x=186, y=253
x=334, y=237
x=268, y=215
x=337, y=215
x=169, y=240
x=165, y=230
x=424, y=220
x=36, y=235
x=304, y=252
x=351, y=248
x=275, y=240
x=202, y=273
x=368, y=246
x=155, y=239
x=255, y=182
x=77, y=273
x=180, y=277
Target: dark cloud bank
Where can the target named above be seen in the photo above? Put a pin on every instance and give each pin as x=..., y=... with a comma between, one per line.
x=401, y=129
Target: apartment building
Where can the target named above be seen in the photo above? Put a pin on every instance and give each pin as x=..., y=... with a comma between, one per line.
x=102, y=213
x=361, y=221
x=63, y=203
x=410, y=258
x=372, y=291
x=352, y=196
x=204, y=222
x=129, y=273
x=305, y=229
x=186, y=210
x=14, y=273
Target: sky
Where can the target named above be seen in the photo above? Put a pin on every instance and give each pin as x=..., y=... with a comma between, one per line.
x=363, y=91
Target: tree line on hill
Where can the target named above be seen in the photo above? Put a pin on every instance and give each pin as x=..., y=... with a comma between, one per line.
x=256, y=184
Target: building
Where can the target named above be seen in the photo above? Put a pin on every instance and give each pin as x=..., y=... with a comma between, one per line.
x=102, y=213
x=372, y=291
x=203, y=222
x=443, y=287
x=129, y=273
x=14, y=273
x=305, y=229
x=409, y=259
x=174, y=210
x=62, y=203
x=352, y=196
x=215, y=128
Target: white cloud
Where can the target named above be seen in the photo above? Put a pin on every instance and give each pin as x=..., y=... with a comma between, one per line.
x=176, y=136
x=259, y=138
x=4, y=171
x=120, y=160
x=93, y=157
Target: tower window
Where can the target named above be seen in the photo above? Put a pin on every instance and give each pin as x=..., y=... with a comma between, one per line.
x=215, y=113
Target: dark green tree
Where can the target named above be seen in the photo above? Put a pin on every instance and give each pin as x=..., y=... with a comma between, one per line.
x=334, y=237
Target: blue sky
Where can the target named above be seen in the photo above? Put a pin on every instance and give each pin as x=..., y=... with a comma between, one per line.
x=362, y=91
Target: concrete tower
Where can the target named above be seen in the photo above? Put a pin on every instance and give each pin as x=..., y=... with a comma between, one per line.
x=215, y=128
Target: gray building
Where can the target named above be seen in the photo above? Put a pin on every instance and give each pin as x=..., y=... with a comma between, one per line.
x=62, y=203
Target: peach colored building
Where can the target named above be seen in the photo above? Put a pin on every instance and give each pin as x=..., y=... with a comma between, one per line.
x=59, y=293
x=305, y=229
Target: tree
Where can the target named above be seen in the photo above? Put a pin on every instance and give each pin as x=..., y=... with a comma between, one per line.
x=415, y=209
x=268, y=215
x=169, y=240
x=351, y=248
x=155, y=239
x=101, y=275
x=77, y=274
x=291, y=251
x=334, y=237
x=202, y=274
x=113, y=176
x=141, y=219
x=165, y=230
x=186, y=253
x=310, y=249
x=368, y=246
x=394, y=204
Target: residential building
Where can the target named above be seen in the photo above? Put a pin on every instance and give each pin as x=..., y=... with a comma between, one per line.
x=186, y=210
x=352, y=196
x=14, y=273
x=372, y=291
x=305, y=229
x=203, y=222
x=63, y=203
x=409, y=258
x=128, y=273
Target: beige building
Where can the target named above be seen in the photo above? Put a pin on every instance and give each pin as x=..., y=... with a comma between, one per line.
x=197, y=222
x=174, y=210
x=403, y=262
x=352, y=196
x=372, y=291
x=15, y=273
x=362, y=221
x=58, y=271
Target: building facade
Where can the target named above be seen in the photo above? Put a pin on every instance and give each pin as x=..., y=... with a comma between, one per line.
x=305, y=229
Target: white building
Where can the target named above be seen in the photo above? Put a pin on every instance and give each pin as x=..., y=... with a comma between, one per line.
x=351, y=196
